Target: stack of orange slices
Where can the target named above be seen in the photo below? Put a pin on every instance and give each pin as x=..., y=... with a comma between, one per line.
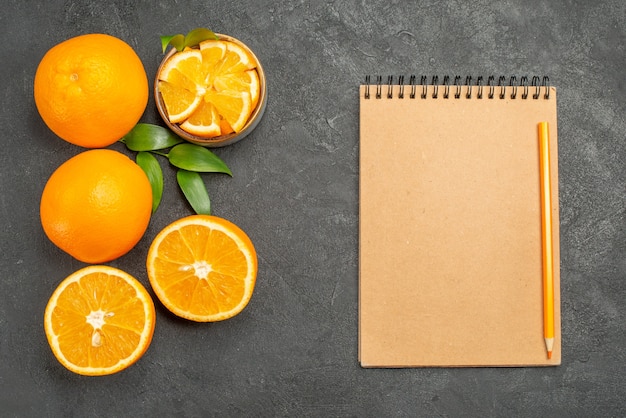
x=210, y=90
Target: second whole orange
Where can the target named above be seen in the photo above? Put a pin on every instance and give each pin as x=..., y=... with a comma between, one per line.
x=96, y=206
x=91, y=90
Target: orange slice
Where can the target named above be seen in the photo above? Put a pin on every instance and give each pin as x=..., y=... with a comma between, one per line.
x=234, y=106
x=236, y=59
x=185, y=70
x=99, y=321
x=202, y=268
x=179, y=102
x=205, y=121
x=212, y=52
x=247, y=81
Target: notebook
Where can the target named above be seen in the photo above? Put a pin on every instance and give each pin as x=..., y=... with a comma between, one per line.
x=450, y=248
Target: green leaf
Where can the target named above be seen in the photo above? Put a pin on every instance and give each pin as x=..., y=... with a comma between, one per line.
x=196, y=158
x=151, y=167
x=195, y=191
x=147, y=137
x=177, y=41
x=198, y=35
x=193, y=38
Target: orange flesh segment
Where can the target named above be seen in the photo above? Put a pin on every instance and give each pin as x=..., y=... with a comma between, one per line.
x=233, y=106
x=180, y=103
x=204, y=121
x=224, y=276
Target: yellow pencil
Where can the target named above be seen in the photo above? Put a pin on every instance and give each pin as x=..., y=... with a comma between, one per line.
x=546, y=234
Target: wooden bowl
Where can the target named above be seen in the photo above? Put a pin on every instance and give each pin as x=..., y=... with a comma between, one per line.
x=222, y=140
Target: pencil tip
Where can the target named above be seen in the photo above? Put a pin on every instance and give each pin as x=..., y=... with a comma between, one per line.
x=549, y=355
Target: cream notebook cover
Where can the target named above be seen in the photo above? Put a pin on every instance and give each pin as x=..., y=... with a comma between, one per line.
x=450, y=250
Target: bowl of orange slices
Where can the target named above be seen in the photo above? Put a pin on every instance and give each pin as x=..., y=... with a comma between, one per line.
x=213, y=94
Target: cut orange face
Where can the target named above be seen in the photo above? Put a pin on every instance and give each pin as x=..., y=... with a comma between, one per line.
x=234, y=106
x=202, y=268
x=180, y=103
x=185, y=70
x=205, y=121
x=244, y=81
x=212, y=52
x=99, y=321
x=235, y=60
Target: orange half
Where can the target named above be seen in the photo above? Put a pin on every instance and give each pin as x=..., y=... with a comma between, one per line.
x=202, y=268
x=99, y=321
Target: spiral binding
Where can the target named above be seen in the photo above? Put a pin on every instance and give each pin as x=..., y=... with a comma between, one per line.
x=478, y=87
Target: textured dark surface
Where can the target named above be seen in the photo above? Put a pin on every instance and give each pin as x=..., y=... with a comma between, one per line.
x=293, y=351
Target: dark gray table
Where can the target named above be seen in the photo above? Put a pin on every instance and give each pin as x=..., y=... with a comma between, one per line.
x=293, y=351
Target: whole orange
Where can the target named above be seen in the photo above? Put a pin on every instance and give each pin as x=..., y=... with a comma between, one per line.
x=96, y=206
x=91, y=90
